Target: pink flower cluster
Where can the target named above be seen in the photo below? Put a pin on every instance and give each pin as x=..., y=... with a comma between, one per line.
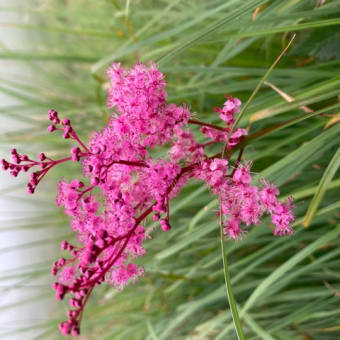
x=126, y=184
x=227, y=113
x=242, y=202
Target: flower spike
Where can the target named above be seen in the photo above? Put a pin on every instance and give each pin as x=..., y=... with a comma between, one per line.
x=123, y=184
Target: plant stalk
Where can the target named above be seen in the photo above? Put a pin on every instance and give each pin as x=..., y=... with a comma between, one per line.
x=231, y=299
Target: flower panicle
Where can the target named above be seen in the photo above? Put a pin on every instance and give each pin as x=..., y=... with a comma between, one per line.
x=123, y=184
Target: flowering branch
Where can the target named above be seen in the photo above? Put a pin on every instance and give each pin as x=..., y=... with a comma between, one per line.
x=131, y=185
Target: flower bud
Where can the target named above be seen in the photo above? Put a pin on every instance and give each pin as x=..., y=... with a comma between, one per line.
x=165, y=224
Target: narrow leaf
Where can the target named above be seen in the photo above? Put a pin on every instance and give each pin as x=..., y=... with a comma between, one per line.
x=323, y=185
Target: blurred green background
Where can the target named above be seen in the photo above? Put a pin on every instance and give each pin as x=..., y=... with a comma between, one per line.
x=286, y=288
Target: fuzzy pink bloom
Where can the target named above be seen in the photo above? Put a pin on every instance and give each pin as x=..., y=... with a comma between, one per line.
x=230, y=107
x=216, y=135
x=268, y=195
x=232, y=228
x=283, y=217
x=125, y=184
x=67, y=274
x=123, y=274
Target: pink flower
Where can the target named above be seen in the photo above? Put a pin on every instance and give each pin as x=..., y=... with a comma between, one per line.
x=282, y=217
x=67, y=274
x=242, y=175
x=233, y=229
x=124, y=183
x=236, y=137
x=268, y=196
x=230, y=107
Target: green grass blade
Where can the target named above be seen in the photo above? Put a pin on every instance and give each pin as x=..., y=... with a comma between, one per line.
x=229, y=290
x=257, y=328
x=321, y=190
x=302, y=156
x=282, y=270
x=249, y=6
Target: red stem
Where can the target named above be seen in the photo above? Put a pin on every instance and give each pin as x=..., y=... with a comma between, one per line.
x=131, y=163
x=80, y=315
x=75, y=137
x=197, y=122
x=209, y=143
x=52, y=164
x=128, y=236
x=82, y=193
x=63, y=160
